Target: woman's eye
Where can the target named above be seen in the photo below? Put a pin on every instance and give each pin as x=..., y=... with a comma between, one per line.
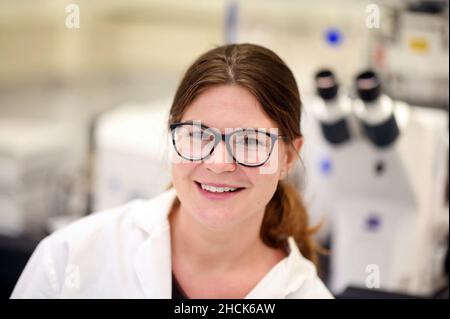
x=200, y=136
x=250, y=141
x=195, y=134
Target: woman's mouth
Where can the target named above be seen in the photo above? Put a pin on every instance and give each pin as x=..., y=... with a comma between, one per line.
x=217, y=192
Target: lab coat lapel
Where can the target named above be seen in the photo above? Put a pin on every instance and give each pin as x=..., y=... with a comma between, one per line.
x=153, y=265
x=153, y=260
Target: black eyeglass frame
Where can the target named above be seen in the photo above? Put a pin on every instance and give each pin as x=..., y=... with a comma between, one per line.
x=218, y=137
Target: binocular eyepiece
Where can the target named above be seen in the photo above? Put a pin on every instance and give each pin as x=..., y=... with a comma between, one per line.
x=373, y=110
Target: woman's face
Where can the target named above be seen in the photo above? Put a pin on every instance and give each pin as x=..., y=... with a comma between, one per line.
x=228, y=107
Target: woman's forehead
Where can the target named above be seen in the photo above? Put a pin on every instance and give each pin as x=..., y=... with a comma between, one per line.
x=228, y=106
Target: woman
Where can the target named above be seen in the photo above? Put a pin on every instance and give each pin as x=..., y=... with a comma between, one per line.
x=230, y=227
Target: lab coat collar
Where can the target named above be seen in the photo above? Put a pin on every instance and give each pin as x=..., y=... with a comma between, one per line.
x=153, y=263
x=284, y=278
x=153, y=214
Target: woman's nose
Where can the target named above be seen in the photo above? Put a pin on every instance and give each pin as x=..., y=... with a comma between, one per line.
x=220, y=161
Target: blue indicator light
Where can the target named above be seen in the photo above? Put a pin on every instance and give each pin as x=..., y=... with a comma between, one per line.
x=333, y=36
x=373, y=223
x=326, y=166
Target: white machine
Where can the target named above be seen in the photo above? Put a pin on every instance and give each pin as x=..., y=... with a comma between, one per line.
x=33, y=156
x=131, y=154
x=411, y=55
x=377, y=171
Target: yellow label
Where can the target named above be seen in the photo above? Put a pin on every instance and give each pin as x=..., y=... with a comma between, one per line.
x=419, y=45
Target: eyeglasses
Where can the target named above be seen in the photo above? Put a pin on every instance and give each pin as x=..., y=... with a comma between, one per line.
x=249, y=147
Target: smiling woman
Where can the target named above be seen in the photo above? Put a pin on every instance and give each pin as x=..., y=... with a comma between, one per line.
x=229, y=227
x=231, y=219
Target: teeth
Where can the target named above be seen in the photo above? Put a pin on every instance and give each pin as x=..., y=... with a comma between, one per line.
x=217, y=189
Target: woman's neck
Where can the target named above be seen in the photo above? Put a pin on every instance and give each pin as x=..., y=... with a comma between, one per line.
x=215, y=250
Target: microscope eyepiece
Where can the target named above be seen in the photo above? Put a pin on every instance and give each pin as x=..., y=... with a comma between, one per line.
x=326, y=85
x=368, y=86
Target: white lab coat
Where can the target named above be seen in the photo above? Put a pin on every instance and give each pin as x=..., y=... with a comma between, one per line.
x=125, y=253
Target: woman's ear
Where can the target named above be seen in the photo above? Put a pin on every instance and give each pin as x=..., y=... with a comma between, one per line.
x=293, y=151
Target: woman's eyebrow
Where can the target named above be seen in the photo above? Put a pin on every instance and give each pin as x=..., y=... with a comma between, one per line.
x=197, y=122
x=239, y=127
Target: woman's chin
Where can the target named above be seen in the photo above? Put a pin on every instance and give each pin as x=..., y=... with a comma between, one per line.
x=216, y=219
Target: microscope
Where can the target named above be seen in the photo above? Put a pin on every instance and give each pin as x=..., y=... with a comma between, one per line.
x=376, y=172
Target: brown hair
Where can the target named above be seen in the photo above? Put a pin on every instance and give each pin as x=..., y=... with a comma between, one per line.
x=268, y=78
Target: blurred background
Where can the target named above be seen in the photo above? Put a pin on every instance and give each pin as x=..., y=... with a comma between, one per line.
x=85, y=88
